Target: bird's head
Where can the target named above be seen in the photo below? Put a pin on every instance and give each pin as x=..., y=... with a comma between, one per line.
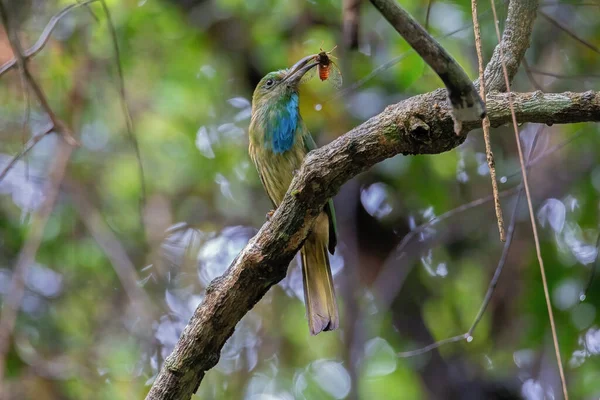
x=280, y=85
x=275, y=113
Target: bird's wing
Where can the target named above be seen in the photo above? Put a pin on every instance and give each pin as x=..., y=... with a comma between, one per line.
x=259, y=169
x=310, y=144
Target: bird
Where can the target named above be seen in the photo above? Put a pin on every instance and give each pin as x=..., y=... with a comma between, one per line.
x=278, y=142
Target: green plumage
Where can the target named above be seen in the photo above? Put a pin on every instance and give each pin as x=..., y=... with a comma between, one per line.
x=279, y=141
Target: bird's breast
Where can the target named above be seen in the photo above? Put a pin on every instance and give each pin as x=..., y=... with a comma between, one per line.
x=277, y=170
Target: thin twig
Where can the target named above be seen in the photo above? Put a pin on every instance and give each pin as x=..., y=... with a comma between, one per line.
x=32, y=83
x=530, y=76
x=44, y=37
x=21, y=58
x=563, y=76
x=464, y=100
x=25, y=90
x=435, y=345
x=389, y=275
x=28, y=146
x=468, y=336
x=89, y=10
x=126, y=113
x=16, y=291
x=13, y=38
x=390, y=63
x=595, y=265
x=569, y=32
x=25, y=124
x=551, y=150
x=449, y=214
x=532, y=215
x=486, y=125
x=428, y=14
x=266, y=257
x=563, y=3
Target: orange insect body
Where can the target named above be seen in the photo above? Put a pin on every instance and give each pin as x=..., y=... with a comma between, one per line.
x=327, y=69
x=324, y=65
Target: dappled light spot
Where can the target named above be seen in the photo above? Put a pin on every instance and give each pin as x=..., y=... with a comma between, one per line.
x=552, y=213
x=374, y=199
x=217, y=252
x=241, y=349
x=566, y=294
x=331, y=376
x=589, y=347
x=524, y=358
x=533, y=390
x=380, y=358
x=204, y=143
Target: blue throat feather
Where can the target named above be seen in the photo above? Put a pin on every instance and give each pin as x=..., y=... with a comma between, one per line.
x=282, y=124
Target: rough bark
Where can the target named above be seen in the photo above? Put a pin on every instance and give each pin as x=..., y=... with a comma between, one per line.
x=419, y=125
x=465, y=101
x=515, y=41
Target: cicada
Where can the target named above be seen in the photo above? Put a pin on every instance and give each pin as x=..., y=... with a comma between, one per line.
x=327, y=69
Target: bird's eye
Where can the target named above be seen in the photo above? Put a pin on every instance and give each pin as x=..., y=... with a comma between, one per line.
x=269, y=83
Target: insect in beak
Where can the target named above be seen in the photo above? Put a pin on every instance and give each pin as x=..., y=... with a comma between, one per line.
x=299, y=69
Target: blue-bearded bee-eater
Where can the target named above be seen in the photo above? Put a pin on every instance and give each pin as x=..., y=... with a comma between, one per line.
x=279, y=141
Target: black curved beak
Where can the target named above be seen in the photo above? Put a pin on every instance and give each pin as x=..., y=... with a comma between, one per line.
x=297, y=71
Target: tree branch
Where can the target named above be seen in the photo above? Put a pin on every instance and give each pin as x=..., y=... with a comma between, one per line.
x=44, y=37
x=466, y=103
x=515, y=41
x=419, y=125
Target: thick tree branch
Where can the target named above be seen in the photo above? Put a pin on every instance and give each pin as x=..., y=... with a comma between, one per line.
x=465, y=101
x=515, y=41
x=419, y=125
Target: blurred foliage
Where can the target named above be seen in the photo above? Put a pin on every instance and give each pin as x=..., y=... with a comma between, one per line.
x=190, y=67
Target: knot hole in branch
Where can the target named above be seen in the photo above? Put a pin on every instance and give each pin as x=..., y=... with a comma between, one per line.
x=417, y=127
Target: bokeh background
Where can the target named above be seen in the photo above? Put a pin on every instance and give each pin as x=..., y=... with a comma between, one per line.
x=112, y=286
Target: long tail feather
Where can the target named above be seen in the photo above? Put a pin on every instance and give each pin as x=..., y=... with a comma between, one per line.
x=319, y=293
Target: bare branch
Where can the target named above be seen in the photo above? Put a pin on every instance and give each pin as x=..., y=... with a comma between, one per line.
x=572, y=34
x=530, y=76
x=16, y=291
x=127, y=114
x=428, y=14
x=593, y=269
x=21, y=60
x=15, y=44
x=466, y=103
x=26, y=149
x=44, y=37
x=419, y=125
x=536, y=239
x=468, y=336
x=389, y=282
x=486, y=125
x=515, y=41
x=564, y=76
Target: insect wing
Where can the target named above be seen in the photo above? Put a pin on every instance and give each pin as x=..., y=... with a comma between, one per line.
x=308, y=75
x=335, y=75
